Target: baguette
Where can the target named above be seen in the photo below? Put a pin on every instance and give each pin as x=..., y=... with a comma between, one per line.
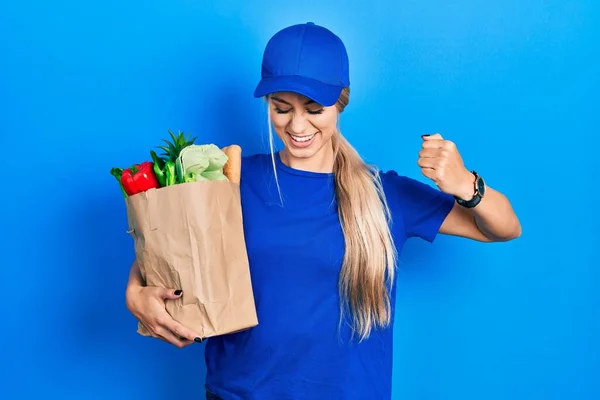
x=233, y=167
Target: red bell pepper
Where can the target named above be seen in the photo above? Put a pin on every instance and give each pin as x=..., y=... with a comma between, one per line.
x=139, y=178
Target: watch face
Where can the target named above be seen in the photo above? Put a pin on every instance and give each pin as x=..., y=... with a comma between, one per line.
x=480, y=186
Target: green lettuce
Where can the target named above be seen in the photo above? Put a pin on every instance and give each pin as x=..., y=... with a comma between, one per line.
x=201, y=163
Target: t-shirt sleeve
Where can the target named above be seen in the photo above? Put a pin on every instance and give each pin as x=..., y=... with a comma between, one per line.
x=422, y=207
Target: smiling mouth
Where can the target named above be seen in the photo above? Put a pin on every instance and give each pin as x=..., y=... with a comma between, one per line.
x=302, y=139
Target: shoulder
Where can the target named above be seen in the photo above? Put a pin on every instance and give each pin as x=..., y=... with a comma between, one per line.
x=257, y=168
x=391, y=177
x=256, y=162
x=401, y=187
x=252, y=159
x=421, y=206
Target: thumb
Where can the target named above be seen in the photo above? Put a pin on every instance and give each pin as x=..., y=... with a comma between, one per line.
x=165, y=293
x=435, y=136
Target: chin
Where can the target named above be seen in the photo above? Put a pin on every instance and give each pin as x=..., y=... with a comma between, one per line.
x=302, y=153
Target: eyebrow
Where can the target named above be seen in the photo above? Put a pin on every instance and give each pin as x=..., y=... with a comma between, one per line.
x=289, y=104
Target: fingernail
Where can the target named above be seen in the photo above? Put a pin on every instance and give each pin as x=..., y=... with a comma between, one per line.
x=178, y=292
x=197, y=340
x=425, y=135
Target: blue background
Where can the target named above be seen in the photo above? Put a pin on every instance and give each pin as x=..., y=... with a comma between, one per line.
x=85, y=86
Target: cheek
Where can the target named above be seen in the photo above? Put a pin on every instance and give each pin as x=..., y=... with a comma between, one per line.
x=280, y=121
x=327, y=124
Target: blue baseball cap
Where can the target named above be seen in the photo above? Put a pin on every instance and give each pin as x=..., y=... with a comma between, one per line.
x=307, y=59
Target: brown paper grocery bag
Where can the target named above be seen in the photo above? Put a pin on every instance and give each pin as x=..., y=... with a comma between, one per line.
x=190, y=236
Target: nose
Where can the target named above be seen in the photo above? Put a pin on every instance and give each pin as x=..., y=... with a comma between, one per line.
x=298, y=124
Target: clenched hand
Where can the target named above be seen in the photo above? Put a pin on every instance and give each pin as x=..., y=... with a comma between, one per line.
x=441, y=162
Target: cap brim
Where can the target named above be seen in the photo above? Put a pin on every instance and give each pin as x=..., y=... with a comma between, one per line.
x=322, y=93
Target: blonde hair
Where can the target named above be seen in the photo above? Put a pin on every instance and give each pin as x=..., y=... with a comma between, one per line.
x=370, y=254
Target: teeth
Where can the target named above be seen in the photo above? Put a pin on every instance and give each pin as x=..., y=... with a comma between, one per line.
x=302, y=138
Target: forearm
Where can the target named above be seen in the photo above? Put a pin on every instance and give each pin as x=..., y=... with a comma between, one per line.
x=495, y=217
x=135, y=276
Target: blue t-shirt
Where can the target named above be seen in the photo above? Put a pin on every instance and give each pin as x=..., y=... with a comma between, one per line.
x=297, y=351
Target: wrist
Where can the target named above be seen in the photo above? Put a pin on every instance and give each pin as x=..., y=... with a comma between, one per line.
x=467, y=187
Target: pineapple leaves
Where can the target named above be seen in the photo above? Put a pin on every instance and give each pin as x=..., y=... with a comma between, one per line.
x=172, y=136
x=172, y=148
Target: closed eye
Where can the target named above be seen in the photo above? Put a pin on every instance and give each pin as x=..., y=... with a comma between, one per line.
x=280, y=111
x=313, y=112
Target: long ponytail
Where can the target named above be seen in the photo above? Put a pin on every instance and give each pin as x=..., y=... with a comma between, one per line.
x=370, y=256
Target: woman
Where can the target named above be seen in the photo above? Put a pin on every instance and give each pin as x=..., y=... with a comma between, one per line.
x=323, y=233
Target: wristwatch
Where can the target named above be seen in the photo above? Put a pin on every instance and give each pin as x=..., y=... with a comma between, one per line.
x=479, y=192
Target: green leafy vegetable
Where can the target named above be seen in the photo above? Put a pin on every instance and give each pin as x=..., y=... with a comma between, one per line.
x=201, y=162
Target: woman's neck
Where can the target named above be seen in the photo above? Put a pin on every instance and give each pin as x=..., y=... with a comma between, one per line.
x=321, y=161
